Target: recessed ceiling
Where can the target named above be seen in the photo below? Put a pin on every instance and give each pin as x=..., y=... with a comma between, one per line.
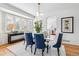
x=49, y=9
x=28, y=7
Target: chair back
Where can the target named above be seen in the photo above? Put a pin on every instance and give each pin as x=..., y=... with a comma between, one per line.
x=39, y=41
x=28, y=38
x=59, y=40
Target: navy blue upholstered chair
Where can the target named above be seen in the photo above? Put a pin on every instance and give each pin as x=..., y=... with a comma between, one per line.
x=29, y=40
x=39, y=42
x=58, y=43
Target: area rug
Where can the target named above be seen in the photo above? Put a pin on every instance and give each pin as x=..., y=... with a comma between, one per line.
x=19, y=50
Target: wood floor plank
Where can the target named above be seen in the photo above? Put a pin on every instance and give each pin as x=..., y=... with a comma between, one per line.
x=71, y=50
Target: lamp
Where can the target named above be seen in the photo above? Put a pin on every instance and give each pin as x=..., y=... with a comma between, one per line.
x=11, y=27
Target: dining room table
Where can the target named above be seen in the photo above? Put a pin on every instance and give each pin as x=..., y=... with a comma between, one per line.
x=48, y=40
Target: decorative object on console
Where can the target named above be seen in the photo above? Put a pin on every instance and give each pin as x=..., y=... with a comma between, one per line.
x=11, y=27
x=67, y=24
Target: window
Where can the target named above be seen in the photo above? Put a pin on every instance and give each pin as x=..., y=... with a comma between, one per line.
x=16, y=22
x=11, y=23
x=23, y=24
x=0, y=21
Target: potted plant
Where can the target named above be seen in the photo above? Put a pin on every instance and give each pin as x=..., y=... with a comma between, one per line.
x=38, y=26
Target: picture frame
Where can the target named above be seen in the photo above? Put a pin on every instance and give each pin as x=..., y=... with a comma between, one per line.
x=67, y=24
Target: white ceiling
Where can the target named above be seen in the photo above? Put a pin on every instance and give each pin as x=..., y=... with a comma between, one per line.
x=49, y=9
x=28, y=7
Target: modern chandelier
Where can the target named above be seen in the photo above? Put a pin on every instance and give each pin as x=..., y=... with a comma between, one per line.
x=38, y=10
x=38, y=13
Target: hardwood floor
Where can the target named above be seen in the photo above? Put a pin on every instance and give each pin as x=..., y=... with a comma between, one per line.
x=71, y=50
x=6, y=52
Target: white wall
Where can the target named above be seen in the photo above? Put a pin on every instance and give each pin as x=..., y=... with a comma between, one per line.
x=71, y=37
x=3, y=38
x=3, y=35
x=60, y=10
x=51, y=23
x=0, y=22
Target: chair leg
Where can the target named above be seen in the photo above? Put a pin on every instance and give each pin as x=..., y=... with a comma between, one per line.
x=35, y=51
x=26, y=47
x=24, y=41
x=42, y=52
x=31, y=48
x=58, y=51
x=47, y=48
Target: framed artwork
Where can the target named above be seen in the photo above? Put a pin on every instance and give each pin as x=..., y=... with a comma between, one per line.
x=67, y=24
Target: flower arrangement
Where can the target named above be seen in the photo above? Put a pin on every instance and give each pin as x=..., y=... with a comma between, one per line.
x=38, y=26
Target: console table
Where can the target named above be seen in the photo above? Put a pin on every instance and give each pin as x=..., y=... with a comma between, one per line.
x=14, y=34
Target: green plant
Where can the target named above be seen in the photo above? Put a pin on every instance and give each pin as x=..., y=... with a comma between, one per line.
x=38, y=26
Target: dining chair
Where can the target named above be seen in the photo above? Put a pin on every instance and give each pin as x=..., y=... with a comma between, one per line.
x=58, y=43
x=39, y=43
x=29, y=40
